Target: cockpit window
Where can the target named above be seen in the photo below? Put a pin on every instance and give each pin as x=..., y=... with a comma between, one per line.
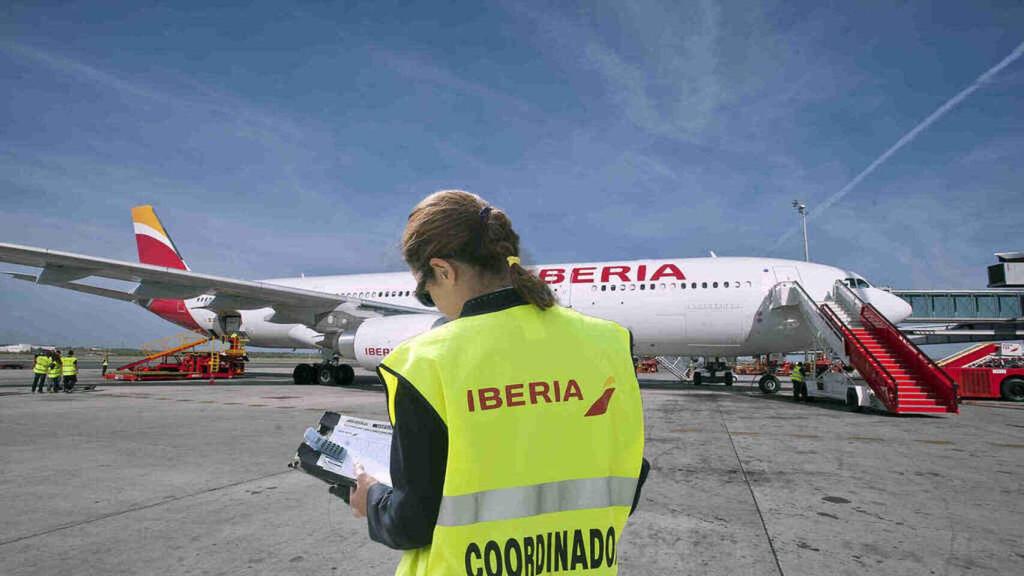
x=856, y=283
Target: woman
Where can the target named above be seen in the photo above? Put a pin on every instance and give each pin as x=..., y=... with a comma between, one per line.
x=518, y=426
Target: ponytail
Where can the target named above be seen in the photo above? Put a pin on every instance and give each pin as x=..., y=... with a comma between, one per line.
x=530, y=287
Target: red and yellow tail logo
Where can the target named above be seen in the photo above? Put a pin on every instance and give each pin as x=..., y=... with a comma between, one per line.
x=155, y=244
x=600, y=406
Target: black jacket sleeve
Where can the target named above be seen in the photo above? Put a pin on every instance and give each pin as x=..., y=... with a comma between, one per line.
x=403, y=517
x=645, y=468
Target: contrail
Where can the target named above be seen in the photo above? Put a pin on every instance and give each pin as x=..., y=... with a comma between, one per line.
x=906, y=139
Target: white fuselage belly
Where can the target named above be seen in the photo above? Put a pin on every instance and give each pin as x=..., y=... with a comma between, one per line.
x=722, y=311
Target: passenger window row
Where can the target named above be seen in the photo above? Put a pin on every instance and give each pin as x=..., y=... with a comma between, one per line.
x=379, y=294
x=593, y=288
x=668, y=286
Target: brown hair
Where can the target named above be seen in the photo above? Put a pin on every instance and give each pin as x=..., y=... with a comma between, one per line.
x=458, y=225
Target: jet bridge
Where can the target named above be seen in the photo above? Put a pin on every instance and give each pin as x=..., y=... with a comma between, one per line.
x=951, y=316
x=902, y=377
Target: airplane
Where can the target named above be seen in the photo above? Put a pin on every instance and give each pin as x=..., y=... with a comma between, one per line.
x=712, y=307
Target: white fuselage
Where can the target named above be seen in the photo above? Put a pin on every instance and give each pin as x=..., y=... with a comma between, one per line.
x=681, y=307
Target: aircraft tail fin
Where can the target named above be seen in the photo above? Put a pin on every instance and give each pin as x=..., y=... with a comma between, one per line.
x=154, y=243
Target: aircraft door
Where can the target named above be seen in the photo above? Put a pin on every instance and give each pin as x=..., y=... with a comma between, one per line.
x=786, y=273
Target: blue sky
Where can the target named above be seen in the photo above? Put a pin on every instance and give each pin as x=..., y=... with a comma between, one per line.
x=277, y=140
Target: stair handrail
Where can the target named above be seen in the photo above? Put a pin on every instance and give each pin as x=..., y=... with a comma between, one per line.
x=872, y=366
x=948, y=389
x=811, y=310
x=846, y=297
x=673, y=367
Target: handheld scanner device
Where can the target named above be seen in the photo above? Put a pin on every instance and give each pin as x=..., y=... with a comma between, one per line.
x=323, y=445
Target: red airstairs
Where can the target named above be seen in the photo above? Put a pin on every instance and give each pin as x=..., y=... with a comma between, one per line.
x=903, y=377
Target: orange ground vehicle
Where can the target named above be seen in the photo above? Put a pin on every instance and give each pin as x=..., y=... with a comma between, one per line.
x=187, y=361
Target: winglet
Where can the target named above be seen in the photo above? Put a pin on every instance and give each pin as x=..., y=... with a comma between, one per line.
x=154, y=243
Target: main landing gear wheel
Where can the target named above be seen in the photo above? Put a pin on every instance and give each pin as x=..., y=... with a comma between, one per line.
x=303, y=374
x=697, y=378
x=344, y=375
x=768, y=384
x=1013, y=389
x=728, y=379
x=325, y=375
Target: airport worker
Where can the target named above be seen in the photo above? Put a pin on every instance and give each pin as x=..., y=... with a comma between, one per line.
x=104, y=366
x=69, y=370
x=518, y=432
x=54, y=373
x=797, y=378
x=42, y=366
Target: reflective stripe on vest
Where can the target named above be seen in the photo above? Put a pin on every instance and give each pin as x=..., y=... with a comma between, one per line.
x=523, y=501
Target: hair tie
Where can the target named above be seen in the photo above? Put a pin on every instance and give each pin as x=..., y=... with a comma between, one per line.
x=512, y=260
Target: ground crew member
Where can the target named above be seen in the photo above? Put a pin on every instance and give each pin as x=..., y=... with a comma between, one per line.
x=42, y=366
x=799, y=388
x=69, y=371
x=103, y=367
x=55, y=370
x=518, y=426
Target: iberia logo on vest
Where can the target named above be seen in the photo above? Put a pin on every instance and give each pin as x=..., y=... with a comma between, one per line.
x=534, y=393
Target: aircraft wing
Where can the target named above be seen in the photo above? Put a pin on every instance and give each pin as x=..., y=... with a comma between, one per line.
x=292, y=305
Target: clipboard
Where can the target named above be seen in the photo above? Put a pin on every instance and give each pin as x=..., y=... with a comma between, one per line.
x=330, y=451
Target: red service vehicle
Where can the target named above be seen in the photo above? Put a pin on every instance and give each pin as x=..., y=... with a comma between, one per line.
x=990, y=370
x=187, y=362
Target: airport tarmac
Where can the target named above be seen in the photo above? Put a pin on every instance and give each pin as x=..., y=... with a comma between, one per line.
x=192, y=479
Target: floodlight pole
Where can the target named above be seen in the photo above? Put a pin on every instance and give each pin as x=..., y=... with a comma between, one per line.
x=802, y=209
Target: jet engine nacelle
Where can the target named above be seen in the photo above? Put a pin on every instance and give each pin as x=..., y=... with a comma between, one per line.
x=375, y=338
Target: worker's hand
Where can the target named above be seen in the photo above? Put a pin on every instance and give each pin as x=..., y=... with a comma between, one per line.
x=357, y=495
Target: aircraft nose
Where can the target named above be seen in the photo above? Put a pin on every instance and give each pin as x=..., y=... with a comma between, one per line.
x=893, y=307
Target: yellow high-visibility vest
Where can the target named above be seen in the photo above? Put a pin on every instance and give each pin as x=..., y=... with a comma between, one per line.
x=42, y=364
x=545, y=440
x=54, y=369
x=798, y=374
x=70, y=365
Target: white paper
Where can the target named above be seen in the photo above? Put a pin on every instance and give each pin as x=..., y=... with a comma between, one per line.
x=366, y=442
